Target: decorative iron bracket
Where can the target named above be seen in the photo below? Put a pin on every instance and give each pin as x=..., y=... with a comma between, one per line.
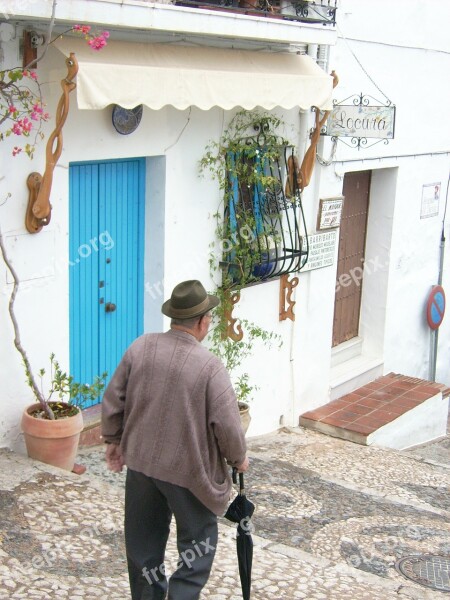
x=39, y=208
x=231, y=330
x=262, y=135
x=286, y=290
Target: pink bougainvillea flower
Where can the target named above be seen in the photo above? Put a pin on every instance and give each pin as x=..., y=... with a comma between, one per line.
x=26, y=125
x=31, y=74
x=97, y=43
x=12, y=109
x=17, y=128
x=83, y=28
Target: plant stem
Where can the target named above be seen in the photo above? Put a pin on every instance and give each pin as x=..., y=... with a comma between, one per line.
x=17, y=341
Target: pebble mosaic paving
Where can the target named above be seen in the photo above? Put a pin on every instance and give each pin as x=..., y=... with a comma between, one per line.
x=332, y=519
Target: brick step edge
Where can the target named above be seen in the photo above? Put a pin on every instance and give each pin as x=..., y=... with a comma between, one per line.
x=91, y=436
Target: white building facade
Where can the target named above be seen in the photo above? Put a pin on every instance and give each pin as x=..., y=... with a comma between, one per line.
x=169, y=235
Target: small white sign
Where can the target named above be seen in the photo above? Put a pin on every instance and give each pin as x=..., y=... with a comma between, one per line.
x=330, y=210
x=431, y=193
x=322, y=247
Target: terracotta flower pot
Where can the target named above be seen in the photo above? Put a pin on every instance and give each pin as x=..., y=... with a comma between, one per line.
x=52, y=442
x=244, y=412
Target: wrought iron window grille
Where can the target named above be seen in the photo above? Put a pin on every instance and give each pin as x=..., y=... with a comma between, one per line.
x=264, y=231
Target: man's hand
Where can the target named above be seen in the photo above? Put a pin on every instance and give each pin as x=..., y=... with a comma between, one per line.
x=243, y=466
x=114, y=459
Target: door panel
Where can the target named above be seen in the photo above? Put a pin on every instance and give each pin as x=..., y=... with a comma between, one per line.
x=106, y=255
x=352, y=240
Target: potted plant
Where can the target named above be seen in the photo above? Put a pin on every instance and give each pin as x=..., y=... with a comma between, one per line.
x=53, y=424
x=265, y=249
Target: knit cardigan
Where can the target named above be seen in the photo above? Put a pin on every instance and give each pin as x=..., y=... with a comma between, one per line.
x=171, y=407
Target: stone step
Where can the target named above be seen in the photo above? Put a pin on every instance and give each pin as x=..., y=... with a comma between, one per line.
x=91, y=434
x=352, y=374
x=393, y=411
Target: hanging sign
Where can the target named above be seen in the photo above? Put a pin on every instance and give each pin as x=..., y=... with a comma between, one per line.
x=361, y=119
x=435, y=307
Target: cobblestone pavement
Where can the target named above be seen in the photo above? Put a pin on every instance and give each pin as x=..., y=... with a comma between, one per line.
x=332, y=518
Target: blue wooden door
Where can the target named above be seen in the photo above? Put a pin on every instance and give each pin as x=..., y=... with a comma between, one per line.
x=106, y=263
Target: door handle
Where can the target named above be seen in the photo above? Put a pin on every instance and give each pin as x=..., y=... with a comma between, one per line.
x=110, y=307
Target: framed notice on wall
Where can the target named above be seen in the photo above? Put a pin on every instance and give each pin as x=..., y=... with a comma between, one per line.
x=322, y=250
x=329, y=215
x=430, y=200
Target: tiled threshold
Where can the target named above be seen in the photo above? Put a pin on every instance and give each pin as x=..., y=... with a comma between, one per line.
x=394, y=411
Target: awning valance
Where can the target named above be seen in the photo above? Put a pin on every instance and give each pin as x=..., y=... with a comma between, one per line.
x=158, y=75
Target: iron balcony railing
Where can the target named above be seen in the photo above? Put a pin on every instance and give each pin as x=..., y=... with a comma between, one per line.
x=304, y=11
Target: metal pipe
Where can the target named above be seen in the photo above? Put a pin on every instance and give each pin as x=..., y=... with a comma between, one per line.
x=323, y=57
x=435, y=333
x=312, y=51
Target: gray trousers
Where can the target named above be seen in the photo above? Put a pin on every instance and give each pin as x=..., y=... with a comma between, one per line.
x=149, y=505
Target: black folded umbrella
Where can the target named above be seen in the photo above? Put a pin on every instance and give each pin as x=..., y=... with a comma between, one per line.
x=240, y=511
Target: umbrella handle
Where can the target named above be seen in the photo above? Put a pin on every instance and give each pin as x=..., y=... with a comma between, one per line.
x=234, y=475
x=241, y=480
x=241, y=483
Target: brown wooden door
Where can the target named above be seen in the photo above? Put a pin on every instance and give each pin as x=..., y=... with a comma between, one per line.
x=352, y=241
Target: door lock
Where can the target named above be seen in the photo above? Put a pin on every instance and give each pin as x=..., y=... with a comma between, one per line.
x=110, y=307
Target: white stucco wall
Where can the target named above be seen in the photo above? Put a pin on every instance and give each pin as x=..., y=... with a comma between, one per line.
x=180, y=226
x=408, y=64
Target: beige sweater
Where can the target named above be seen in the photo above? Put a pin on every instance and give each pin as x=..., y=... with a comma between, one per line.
x=171, y=406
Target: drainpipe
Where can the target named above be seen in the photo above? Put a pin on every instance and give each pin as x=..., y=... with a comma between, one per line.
x=303, y=137
x=312, y=51
x=323, y=55
x=435, y=333
x=320, y=55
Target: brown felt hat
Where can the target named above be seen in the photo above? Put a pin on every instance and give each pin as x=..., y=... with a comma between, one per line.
x=189, y=299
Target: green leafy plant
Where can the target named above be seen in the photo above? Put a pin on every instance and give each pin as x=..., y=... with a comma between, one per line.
x=233, y=353
x=246, y=154
x=64, y=390
x=218, y=160
x=250, y=137
x=22, y=114
x=61, y=384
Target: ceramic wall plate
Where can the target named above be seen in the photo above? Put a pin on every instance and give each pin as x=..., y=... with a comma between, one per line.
x=126, y=120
